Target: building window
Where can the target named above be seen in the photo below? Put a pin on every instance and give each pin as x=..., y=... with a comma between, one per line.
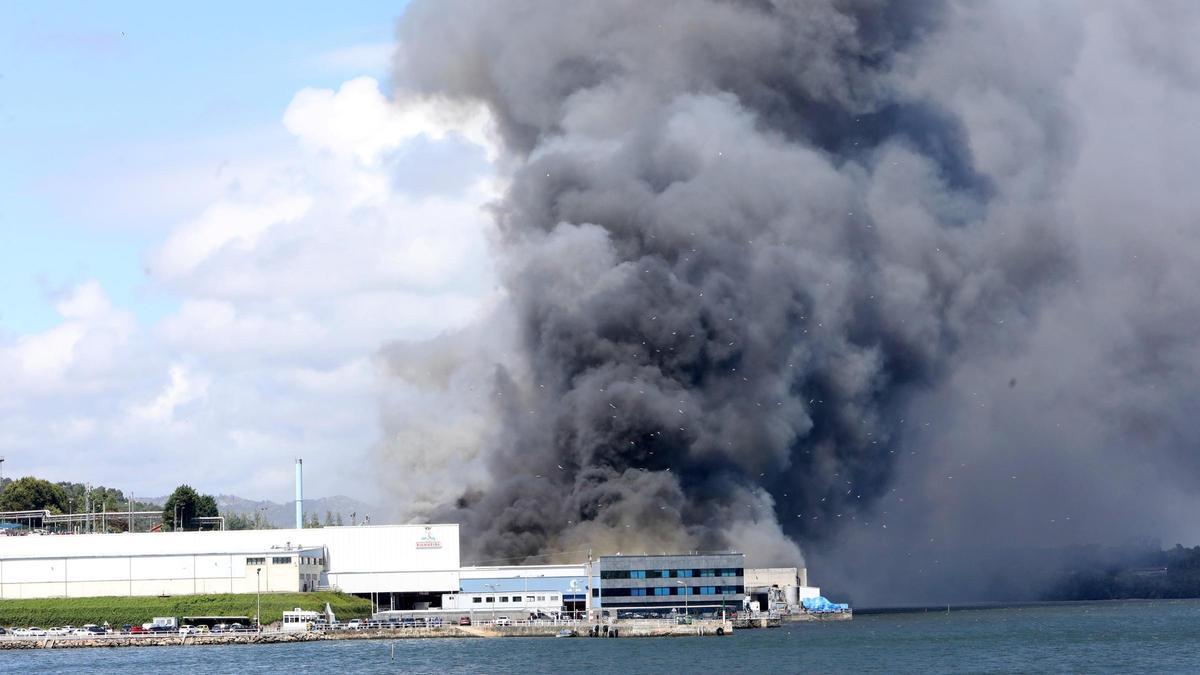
x=662, y=590
x=541, y=598
x=614, y=574
x=708, y=573
x=729, y=573
x=637, y=574
x=256, y=561
x=708, y=590
x=683, y=590
x=639, y=591
x=503, y=598
x=285, y=560
x=529, y=598
x=729, y=590
x=476, y=600
x=683, y=574
x=553, y=598
x=491, y=598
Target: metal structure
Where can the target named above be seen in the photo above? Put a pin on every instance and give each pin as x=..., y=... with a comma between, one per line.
x=45, y=519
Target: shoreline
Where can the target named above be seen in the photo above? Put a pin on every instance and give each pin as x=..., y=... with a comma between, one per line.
x=631, y=629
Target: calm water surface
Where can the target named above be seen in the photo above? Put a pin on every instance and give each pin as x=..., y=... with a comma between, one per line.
x=1162, y=636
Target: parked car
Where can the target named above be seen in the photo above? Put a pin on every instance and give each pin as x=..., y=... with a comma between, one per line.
x=503, y=621
x=354, y=624
x=188, y=630
x=137, y=629
x=464, y=621
x=236, y=627
x=434, y=621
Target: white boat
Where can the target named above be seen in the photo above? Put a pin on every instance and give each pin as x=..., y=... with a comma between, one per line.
x=566, y=632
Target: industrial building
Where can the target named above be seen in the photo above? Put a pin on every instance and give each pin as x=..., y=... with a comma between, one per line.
x=420, y=560
x=401, y=568
x=670, y=582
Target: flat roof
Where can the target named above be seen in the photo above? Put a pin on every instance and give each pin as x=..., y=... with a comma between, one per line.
x=693, y=554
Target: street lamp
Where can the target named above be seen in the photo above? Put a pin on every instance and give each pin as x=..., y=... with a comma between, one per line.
x=685, y=597
x=493, y=602
x=258, y=597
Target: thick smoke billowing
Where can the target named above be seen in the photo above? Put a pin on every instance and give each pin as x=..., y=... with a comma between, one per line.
x=847, y=275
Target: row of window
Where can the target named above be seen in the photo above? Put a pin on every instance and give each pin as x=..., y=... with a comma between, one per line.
x=668, y=573
x=668, y=590
x=516, y=598
x=283, y=560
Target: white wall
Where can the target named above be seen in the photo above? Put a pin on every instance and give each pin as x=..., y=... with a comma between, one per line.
x=360, y=559
x=542, y=601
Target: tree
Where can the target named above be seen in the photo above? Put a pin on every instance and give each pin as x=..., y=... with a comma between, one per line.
x=29, y=493
x=238, y=521
x=190, y=505
x=313, y=521
x=328, y=519
x=339, y=518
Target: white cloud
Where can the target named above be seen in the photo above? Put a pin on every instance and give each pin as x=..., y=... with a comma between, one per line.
x=85, y=346
x=367, y=57
x=225, y=224
x=358, y=120
x=182, y=388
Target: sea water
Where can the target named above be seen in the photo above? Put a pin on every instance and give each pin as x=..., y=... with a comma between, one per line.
x=1142, y=636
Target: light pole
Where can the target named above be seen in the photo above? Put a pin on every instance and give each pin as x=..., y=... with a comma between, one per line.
x=493, y=600
x=685, y=597
x=258, y=597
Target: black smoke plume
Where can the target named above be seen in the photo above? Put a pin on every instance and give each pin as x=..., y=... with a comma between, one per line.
x=764, y=258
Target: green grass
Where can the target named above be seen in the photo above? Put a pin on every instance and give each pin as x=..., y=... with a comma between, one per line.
x=118, y=611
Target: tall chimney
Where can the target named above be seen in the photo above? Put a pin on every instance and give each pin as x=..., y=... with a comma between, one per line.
x=299, y=494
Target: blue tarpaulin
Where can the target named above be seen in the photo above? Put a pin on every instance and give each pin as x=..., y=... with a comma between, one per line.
x=821, y=604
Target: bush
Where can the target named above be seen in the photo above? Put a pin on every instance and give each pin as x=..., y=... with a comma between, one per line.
x=118, y=611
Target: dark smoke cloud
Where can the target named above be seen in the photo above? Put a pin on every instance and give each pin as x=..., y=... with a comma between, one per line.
x=774, y=266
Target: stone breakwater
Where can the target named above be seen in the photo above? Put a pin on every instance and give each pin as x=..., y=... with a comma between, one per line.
x=68, y=642
x=622, y=629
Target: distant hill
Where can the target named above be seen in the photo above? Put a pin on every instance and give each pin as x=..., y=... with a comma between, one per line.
x=284, y=515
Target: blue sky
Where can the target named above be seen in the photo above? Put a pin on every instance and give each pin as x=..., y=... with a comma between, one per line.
x=92, y=90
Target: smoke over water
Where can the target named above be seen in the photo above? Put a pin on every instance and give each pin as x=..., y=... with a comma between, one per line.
x=776, y=272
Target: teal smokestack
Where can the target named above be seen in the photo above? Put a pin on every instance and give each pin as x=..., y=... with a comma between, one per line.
x=299, y=494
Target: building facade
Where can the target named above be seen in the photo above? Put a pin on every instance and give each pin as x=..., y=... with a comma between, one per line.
x=415, y=560
x=658, y=583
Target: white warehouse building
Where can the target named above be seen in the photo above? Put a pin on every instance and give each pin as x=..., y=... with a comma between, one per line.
x=363, y=560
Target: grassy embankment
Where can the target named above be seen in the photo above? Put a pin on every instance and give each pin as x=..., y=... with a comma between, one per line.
x=117, y=611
